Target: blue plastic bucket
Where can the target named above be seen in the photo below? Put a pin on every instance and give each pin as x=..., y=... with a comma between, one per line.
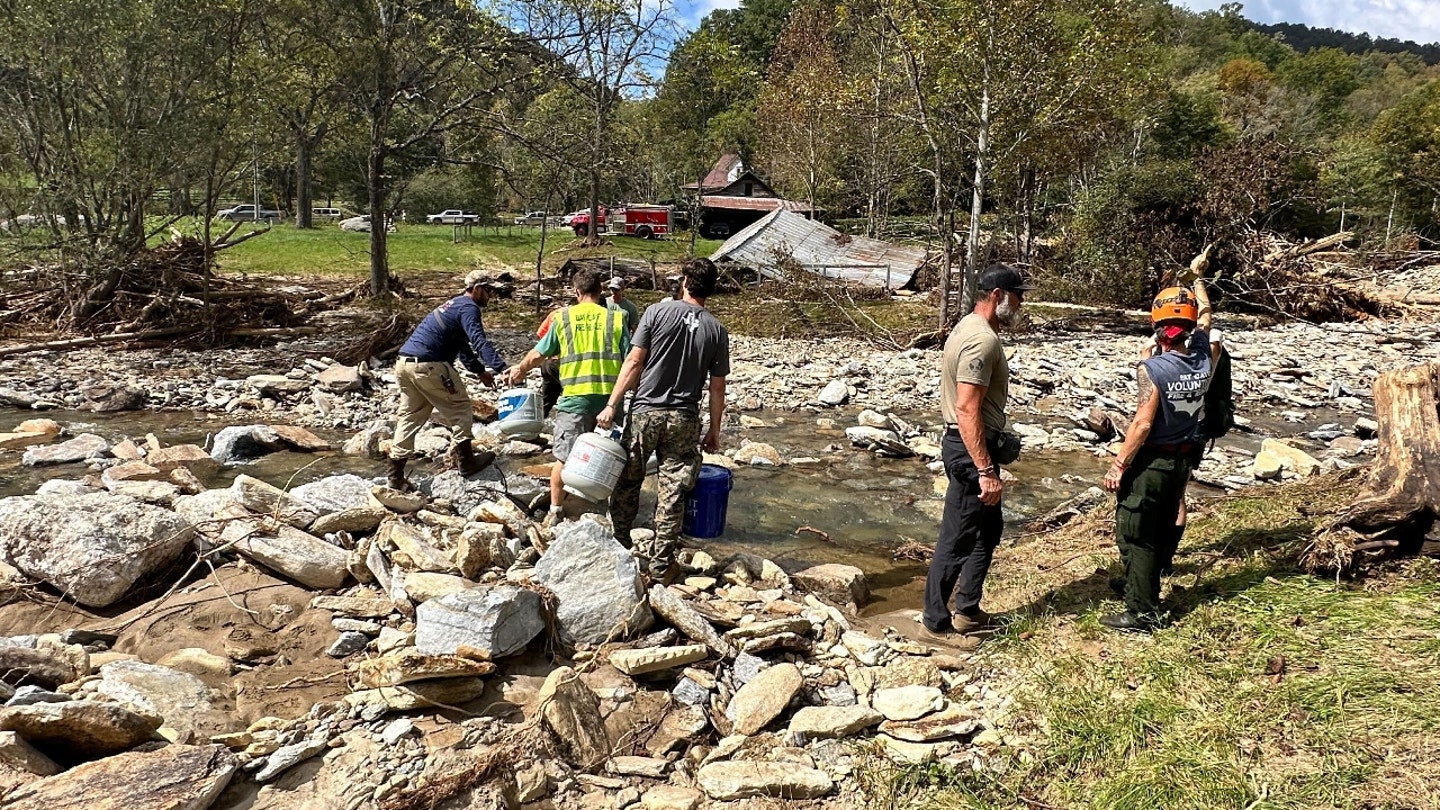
x=706, y=504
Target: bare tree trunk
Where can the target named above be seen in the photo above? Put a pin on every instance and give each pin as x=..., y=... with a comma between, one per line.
x=977, y=200
x=303, y=214
x=375, y=188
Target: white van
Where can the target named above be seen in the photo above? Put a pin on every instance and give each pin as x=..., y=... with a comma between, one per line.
x=325, y=213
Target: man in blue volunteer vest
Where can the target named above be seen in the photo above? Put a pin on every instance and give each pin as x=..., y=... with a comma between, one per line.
x=1150, y=472
x=429, y=381
x=590, y=341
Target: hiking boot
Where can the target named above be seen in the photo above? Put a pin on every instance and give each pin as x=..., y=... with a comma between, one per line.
x=1127, y=622
x=945, y=636
x=964, y=623
x=471, y=462
x=395, y=475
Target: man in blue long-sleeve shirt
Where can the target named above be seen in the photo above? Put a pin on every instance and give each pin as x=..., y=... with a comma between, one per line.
x=430, y=382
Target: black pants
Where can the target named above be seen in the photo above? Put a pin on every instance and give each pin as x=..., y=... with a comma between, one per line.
x=1145, y=531
x=969, y=533
x=551, y=386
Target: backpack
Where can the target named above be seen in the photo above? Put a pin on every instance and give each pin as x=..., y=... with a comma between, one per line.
x=1219, y=401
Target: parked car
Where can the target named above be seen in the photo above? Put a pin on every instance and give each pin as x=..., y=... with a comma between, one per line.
x=361, y=224
x=452, y=216
x=247, y=212
x=326, y=213
x=534, y=218
x=580, y=222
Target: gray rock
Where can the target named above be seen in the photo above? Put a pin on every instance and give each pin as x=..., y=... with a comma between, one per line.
x=83, y=729
x=174, y=777
x=835, y=393
x=907, y=702
x=179, y=698
x=831, y=722
x=293, y=554
x=745, y=668
x=340, y=379
x=727, y=781
x=288, y=756
x=349, y=643
x=80, y=448
x=499, y=620
x=690, y=693
x=465, y=494
x=21, y=755
x=240, y=443
x=335, y=493
x=763, y=698
x=46, y=666
x=687, y=620
x=597, y=582
x=31, y=695
x=93, y=548
x=834, y=581
x=267, y=499
x=60, y=488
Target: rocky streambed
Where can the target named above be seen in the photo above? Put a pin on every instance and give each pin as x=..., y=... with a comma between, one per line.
x=330, y=643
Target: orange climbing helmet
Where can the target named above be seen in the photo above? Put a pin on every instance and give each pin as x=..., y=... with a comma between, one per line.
x=1177, y=305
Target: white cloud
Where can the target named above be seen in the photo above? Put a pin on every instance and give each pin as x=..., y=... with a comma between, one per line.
x=1417, y=20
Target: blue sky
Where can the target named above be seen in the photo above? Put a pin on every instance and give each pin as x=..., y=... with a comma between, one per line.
x=1417, y=20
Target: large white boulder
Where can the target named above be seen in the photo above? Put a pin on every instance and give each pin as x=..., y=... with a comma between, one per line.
x=597, y=582
x=93, y=547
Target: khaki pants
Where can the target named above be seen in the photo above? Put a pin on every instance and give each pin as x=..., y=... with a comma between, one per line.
x=426, y=387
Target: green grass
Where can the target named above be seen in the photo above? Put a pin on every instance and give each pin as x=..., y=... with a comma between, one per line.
x=413, y=249
x=1272, y=690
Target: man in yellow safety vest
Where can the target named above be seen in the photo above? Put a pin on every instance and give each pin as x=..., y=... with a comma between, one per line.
x=590, y=342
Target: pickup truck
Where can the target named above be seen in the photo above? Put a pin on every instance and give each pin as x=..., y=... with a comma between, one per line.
x=248, y=213
x=452, y=216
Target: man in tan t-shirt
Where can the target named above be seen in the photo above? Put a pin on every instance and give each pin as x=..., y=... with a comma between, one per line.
x=974, y=382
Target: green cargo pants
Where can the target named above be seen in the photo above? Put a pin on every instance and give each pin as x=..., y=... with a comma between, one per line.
x=1149, y=496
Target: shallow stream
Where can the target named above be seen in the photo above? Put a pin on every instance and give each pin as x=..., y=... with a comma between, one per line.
x=867, y=506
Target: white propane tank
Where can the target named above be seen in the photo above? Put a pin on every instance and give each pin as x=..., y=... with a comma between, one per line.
x=593, y=466
x=520, y=412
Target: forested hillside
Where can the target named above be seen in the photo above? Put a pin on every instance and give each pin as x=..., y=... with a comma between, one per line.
x=1100, y=141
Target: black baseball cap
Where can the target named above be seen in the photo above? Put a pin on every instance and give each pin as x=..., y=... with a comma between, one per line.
x=1003, y=277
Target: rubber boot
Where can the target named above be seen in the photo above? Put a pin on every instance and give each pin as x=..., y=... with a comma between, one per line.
x=395, y=475
x=470, y=461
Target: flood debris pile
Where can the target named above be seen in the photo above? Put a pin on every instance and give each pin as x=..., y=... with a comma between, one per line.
x=168, y=291
x=466, y=650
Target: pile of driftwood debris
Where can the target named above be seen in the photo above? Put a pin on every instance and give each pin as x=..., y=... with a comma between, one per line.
x=1323, y=281
x=166, y=292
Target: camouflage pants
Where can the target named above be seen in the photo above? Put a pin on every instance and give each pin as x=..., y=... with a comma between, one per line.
x=674, y=438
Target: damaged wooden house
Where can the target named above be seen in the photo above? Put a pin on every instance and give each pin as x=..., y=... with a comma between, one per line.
x=783, y=242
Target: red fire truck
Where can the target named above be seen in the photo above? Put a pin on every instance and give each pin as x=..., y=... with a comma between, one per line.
x=644, y=221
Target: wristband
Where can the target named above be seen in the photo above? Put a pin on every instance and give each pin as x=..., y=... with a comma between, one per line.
x=984, y=471
x=1122, y=465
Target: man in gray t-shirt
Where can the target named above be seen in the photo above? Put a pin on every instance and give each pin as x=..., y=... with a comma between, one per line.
x=678, y=352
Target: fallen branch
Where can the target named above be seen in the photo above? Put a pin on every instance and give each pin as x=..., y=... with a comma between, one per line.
x=75, y=343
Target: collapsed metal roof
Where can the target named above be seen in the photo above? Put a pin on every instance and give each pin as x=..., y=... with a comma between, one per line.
x=786, y=238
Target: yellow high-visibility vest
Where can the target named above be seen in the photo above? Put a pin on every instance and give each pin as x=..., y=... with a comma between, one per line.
x=590, y=339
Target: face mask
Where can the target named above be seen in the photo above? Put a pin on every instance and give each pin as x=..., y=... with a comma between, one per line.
x=1006, y=312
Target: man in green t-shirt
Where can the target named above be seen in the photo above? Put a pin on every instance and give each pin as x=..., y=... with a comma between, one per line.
x=590, y=341
x=618, y=299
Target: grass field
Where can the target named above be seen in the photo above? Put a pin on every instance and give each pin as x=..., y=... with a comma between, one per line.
x=1273, y=689
x=329, y=251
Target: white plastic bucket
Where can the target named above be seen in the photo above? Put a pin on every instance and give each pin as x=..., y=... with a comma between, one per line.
x=593, y=467
x=521, y=416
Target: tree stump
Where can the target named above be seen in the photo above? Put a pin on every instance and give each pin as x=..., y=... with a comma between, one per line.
x=1402, y=498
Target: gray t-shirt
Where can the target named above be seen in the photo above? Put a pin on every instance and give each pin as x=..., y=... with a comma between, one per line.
x=685, y=346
